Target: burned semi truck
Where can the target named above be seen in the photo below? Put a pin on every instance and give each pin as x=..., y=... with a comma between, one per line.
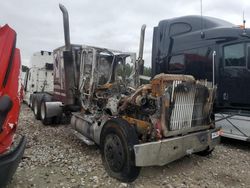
x=214, y=50
x=134, y=125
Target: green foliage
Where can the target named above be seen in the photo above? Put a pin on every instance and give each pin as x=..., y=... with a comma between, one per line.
x=126, y=70
x=147, y=71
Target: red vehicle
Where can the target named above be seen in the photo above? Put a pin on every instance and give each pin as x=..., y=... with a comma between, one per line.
x=10, y=98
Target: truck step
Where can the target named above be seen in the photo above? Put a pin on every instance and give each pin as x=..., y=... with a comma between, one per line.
x=83, y=138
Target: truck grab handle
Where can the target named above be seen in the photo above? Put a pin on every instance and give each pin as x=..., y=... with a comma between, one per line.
x=214, y=54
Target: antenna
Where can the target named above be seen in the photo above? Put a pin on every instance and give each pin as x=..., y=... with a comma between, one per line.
x=244, y=21
x=202, y=33
x=244, y=24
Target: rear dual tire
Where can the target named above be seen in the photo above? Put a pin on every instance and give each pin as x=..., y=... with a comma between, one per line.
x=37, y=105
x=31, y=102
x=44, y=116
x=38, y=100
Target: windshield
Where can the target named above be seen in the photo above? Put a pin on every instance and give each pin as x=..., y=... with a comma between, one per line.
x=124, y=68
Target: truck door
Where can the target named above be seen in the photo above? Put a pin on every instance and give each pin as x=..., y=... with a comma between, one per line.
x=235, y=75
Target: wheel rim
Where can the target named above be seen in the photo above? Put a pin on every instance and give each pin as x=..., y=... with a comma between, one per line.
x=114, y=152
x=43, y=111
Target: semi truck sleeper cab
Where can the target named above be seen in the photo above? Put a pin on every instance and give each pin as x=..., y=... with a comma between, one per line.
x=211, y=49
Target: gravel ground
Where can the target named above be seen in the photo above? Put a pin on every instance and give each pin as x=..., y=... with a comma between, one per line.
x=56, y=158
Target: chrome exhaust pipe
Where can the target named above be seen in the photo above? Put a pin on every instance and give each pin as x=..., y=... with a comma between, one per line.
x=139, y=63
x=141, y=47
x=143, y=28
x=66, y=27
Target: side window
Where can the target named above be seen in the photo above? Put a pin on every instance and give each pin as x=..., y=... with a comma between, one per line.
x=234, y=55
x=199, y=63
x=178, y=28
x=176, y=63
x=104, y=68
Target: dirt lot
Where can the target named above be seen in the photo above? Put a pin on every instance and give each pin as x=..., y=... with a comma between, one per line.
x=56, y=158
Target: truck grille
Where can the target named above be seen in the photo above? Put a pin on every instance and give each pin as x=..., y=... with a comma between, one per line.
x=188, y=106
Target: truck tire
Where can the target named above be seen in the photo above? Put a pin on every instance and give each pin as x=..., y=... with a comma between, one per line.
x=38, y=99
x=45, y=120
x=117, y=140
x=37, y=105
x=31, y=102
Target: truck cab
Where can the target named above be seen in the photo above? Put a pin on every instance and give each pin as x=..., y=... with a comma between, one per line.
x=39, y=76
x=134, y=125
x=214, y=50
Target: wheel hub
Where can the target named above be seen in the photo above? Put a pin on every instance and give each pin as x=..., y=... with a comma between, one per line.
x=114, y=152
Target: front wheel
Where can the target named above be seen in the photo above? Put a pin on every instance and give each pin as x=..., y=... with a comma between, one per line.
x=117, y=140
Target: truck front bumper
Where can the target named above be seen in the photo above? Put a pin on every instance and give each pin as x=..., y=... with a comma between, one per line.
x=162, y=152
x=9, y=162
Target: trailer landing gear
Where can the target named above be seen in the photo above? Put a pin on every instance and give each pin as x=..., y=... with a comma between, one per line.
x=118, y=139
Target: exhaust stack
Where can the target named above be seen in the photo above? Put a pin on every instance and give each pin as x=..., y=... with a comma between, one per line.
x=66, y=27
x=143, y=28
x=139, y=64
x=141, y=46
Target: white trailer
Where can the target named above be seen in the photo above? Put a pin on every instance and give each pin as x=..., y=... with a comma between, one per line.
x=39, y=76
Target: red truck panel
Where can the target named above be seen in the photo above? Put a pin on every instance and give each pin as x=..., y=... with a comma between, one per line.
x=9, y=84
x=10, y=98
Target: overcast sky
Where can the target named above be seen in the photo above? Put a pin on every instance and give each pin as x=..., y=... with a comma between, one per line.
x=112, y=24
